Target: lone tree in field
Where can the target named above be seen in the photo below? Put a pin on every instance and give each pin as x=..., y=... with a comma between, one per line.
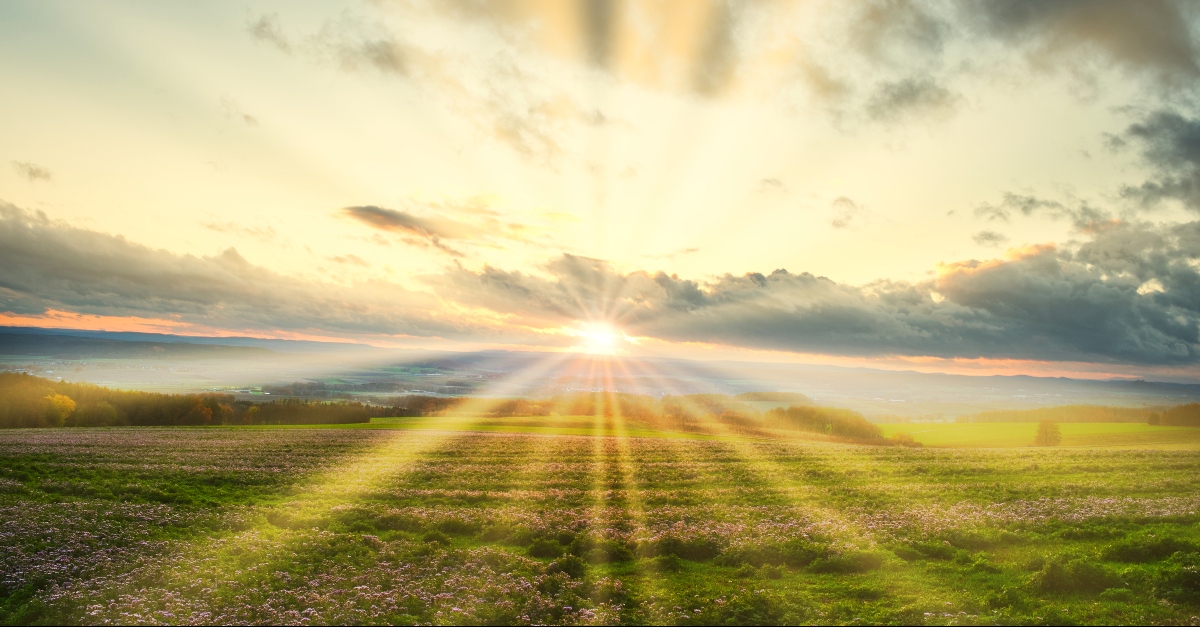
x=1048, y=434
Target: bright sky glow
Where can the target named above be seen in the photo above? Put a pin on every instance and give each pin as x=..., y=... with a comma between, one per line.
x=941, y=183
x=599, y=338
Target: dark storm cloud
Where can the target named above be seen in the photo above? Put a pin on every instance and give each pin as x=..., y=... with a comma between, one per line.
x=1170, y=145
x=1089, y=305
x=50, y=265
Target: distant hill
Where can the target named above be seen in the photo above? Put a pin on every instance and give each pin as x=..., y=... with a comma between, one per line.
x=775, y=397
x=75, y=347
x=279, y=346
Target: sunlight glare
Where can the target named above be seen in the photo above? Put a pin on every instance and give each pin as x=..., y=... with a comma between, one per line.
x=599, y=338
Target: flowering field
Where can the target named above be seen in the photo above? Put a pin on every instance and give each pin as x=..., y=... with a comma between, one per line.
x=345, y=525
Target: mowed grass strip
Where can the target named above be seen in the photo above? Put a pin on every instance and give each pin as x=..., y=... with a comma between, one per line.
x=1020, y=434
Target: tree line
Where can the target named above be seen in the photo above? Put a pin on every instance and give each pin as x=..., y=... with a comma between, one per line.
x=29, y=401
x=1178, y=416
x=1067, y=413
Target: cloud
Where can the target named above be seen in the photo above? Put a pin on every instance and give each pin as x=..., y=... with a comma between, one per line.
x=1129, y=294
x=717, y=57
x=353, y=260
x=675, y=254
x=1170, y=145
x=848, y=214
x=428, y=230
x=264, y=233
x=232, y=110
x=470, y=221
x=266, y=29
x=392, y=220
x=46, y=264
x=989, y=238
x=770, y=184
x=910, y=97
x=1041, y=303
x=897, y=60
x=1083, y=215
x=880, y=30
x=1149, y=37
x=32, y=171
x=351, y=44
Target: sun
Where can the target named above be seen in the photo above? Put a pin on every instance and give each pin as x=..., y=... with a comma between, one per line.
x=599, y=338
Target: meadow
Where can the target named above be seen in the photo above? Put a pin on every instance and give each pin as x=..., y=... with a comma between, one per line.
x=580, y=521
x=1020, y=434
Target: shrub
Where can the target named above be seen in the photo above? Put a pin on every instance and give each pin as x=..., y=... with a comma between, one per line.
x=436, y=537
x=747, y=608
x=926, y=550
x=745, y=571
x=496, y=533
x=904, y=439
x=1141, y=550
x=771, y=572
x=847, y=563
x=1005, y=597
x=695, y=549
x=1077, y=575
x=454, y=526
x=574, y=567
x=543, y=547
x=1179, y=580
x=598, y=550
x=1117, y=595
x=799, y=552
x=667, y=564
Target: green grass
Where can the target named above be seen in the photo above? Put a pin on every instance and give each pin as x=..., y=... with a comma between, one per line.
x=500, y=521
x=1020, y=434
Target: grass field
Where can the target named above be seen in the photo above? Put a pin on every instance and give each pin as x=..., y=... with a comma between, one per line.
x=1018, y=434
x=428, y=521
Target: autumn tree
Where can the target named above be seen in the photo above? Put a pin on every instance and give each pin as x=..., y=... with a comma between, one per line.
x=59, y=407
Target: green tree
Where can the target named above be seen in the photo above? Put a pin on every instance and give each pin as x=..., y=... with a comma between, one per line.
x=1048, y=434
x=101, y=414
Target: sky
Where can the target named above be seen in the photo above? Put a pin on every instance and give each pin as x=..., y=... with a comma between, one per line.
x=979, y=187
